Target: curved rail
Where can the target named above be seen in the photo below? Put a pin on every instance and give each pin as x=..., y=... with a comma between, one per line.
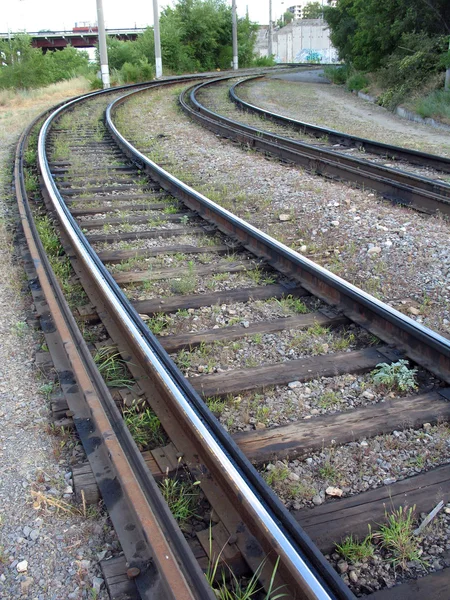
x=415, y=157
x=282, y=535
x=422, y=193
x=154, y=545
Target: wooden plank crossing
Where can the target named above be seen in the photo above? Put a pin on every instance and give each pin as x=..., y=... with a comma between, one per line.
x=310, y=435
x=117, y=256
x=303, y=369
x=173, y=343
x=331, y=522
x=173, y=303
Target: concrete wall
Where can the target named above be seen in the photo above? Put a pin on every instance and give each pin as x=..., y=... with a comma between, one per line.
x=303, y=40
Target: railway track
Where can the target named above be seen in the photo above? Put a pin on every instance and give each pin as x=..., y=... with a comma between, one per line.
x=154, y=255
x=396, y=184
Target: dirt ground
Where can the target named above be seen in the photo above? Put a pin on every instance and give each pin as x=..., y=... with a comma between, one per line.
x=307, y=96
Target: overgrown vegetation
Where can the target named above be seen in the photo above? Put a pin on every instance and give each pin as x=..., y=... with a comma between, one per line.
x=227, y=586
x=195, y=36
x=144, y=426
x=402, y=44
x=395, y=376
x=24, y=67
x=395, y=538
x=112, y=367
x=181, y=497
x=355, y=551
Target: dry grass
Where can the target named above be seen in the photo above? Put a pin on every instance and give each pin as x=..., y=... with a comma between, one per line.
x=17, y=108
x=57, y=91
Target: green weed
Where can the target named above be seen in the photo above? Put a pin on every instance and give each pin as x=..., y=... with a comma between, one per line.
x=395, y=376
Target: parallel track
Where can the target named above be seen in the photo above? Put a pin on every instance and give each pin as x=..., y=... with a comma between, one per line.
x=399, y=186
x=205, y=448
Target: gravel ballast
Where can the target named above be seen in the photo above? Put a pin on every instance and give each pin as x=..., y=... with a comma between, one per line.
x=45, y=553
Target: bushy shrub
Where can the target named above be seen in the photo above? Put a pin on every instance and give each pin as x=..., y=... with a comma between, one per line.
x=337, y=74
x=264, y=61
x=25, y=67
x=416, y=60
x=357, y=82
x=436, y=105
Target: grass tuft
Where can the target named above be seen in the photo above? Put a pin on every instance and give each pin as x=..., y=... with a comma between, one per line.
x=355, y=551
x=145, y=427
x=397, y=537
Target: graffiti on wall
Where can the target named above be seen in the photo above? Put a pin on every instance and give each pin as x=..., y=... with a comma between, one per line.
x=327, y=55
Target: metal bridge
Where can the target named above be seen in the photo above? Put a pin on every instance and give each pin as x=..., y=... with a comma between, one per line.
x=57, y=40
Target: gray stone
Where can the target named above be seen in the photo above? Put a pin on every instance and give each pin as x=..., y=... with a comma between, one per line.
x=353, y=576
x=97, y=583
x=34, y=534
x=26, y=531
x=342, y=566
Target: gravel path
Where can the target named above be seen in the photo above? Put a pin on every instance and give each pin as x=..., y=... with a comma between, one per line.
x=45, y=553
x=334, y=107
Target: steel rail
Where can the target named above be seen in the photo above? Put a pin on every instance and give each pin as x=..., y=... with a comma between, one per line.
x=423, y=345
x=280, y=530
x=166, y=567
x=399, y=186
x=415, y=157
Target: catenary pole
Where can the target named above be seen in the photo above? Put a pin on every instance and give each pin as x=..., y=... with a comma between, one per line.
x=158, y=59
x=447, y=72
x=104, y=69
x=235, y=41
x=270, y=52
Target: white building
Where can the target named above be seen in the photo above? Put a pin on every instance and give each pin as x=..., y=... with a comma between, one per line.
x=303, y=40
x=297, y=9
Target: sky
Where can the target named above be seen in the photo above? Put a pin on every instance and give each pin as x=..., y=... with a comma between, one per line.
x=56, y=15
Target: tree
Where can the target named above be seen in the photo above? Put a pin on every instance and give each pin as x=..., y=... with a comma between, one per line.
x=313, y=10
x=23, y=66
x=366, y=32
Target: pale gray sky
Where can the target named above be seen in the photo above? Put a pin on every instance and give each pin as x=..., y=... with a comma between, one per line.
x=33, y=15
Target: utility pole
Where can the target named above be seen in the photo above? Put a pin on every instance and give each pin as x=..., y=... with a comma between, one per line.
x=270, y=52
x=102, y=46
x=158, y=60
x=447, y=73
x=235, y=41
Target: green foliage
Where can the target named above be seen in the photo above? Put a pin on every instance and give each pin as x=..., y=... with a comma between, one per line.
x=144, y=426
x=234, y=588
x=436, y=105
x=409, y=67
x=195, y=36
x=264, y=61
x=23, y=66
x=366, y=32
x=395, y=376
x=312, y=10
x=357, y=82
x=112, y=367
x=397, y=537
x=355, y=551
x=337, y=75
x=181, y=498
